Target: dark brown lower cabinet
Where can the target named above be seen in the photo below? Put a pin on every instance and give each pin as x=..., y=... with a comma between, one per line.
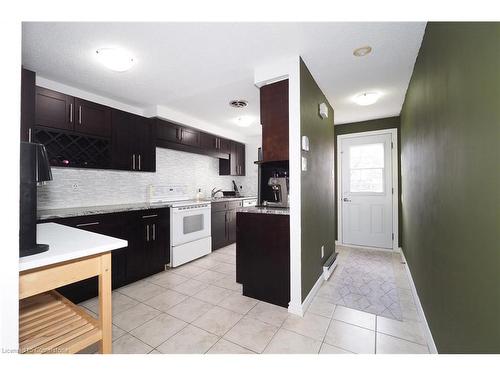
x=148, y=251
x=263, y=256
x=224, y=223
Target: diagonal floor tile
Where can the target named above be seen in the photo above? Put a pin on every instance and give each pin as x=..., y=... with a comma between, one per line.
x=166, y=300
x=141, y=290
x=227, y=347
x=350, y=337
x=217, y=320
x=190, y=309
x=238, y=303
x=356, y=317
x=310, y=325
x=408, y=330
x=392, y=345
x=251, y=334
x=269, y=313
x=288, y=342
x=158, y=329
x=190, y=340
x=213, y=294
x=128, y=344
x=190, y=287
x=134, y=317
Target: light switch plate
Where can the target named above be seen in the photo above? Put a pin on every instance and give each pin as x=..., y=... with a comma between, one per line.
x=305, y=143
x=304, y=164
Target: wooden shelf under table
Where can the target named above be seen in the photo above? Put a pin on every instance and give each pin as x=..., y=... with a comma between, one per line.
x=50, y=323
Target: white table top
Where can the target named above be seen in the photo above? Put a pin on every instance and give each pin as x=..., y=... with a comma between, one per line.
x=67, y=243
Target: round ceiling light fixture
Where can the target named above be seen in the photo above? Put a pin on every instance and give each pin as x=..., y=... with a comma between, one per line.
x=362, y=51
x=238, y=103
x=367, y=98
x=244, y=121
x=115, y=59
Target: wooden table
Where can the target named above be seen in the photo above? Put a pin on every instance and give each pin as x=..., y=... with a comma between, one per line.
x=50, y=323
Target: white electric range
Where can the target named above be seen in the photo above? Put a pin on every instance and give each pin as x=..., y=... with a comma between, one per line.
x=190, y=226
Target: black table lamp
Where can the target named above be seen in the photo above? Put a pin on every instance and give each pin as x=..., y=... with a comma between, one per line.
x=35, y=170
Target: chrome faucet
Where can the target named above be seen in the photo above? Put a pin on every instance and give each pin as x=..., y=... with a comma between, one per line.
x=214, y=191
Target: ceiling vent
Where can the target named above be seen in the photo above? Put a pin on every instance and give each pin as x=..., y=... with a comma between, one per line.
x=238, y=103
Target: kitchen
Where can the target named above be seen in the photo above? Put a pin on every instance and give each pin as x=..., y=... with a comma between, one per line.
x=172, y=206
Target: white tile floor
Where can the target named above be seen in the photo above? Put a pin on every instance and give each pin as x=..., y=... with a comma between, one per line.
x=199, y=308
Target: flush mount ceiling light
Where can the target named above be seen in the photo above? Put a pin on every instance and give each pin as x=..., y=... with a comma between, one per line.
x=238, y=103
x=244, y=121
x=115, y=59
x=362, y=51
x=366, y=98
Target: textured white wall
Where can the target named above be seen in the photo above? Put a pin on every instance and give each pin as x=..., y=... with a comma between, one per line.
x=101, y=187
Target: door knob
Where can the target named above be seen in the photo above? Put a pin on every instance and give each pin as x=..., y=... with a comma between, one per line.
x=347, y=200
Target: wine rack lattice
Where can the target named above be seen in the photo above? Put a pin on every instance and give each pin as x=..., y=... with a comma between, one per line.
x=72, y=150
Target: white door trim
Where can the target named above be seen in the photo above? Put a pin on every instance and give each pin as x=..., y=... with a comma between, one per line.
x=395, y=163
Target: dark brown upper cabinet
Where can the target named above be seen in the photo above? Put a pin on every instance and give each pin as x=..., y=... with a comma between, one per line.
x=215, y=146
x=54, y=109
x=190, y=137
x=235, y=165
x=133, y=142
x=92, y=118
x=60, y=111
x=167, y=132
x=274, y=120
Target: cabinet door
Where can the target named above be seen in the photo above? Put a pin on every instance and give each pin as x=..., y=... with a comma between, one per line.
x=159, y=241
x=241, y=159
x=145, y=144
x=233, y=159
x=137, y=237
x=219, y=231
x=224, y=145
x=53, y=109
x=190, y=137
x=231, y=226
x=208, y=142
x=122, y=140
x=167, y=131
x=92, y=118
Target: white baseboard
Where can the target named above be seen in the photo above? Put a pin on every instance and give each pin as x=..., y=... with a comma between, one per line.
x=300, y=309
x=420, y=310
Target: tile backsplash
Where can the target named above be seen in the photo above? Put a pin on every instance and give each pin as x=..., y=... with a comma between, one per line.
x=91, y=187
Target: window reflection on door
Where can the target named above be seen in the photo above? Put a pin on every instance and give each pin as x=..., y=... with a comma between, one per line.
x=366, y=164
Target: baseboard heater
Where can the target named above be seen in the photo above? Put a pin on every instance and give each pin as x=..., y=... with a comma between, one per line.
x=329, y=266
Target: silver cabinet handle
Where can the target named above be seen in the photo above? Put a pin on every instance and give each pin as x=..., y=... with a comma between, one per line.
x=139, y=161
x=87, y=224
x=79, y=114
x=147, y=216
x=71, y=112
x=147, y=233
x=154, y=232
x=133, y=162
x=29, y=135
x=347, y=200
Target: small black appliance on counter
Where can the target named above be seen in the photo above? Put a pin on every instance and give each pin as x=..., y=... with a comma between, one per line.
x=35, y=169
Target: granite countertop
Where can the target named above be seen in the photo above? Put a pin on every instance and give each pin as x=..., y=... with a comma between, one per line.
x=265, y=210
x=59, y=213
x=66, y=243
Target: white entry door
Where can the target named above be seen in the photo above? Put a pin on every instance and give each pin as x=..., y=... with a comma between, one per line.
x=366, y=196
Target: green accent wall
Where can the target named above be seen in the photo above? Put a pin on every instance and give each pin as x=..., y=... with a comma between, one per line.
x=450, y=138
x=317, y=184
x=366, y=126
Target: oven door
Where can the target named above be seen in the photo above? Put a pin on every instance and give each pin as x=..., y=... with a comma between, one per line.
x=190, y=224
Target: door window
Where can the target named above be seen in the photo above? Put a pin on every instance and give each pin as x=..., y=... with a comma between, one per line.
x=367, y=168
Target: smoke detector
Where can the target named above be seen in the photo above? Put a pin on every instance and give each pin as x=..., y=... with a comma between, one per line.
x=362, y=51
x=238, y=103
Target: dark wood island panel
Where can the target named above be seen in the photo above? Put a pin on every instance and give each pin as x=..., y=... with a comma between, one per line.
x=263, y=256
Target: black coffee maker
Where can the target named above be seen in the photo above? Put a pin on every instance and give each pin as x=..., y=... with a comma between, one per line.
x=35, y=170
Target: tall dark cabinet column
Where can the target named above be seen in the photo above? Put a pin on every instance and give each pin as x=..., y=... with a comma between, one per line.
x=27, y=103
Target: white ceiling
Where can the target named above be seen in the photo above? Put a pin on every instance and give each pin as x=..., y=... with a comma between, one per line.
x=197, y=68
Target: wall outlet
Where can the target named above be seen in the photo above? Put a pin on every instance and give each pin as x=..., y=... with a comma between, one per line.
x=322, y=251
x=75, y=187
